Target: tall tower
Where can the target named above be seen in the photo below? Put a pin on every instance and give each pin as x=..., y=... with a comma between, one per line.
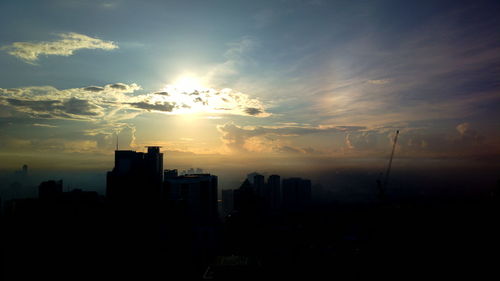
x=274, y=191
x=137, y=176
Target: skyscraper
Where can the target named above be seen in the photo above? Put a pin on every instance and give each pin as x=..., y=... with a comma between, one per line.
x=227, y=201
x=137, y=176
x=296, y=193
x=274, y=191
x=50, y=189
x=198, y=192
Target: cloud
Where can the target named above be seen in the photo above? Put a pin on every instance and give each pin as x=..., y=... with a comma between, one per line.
x=263, y=138
x=253, y=111
x=159, y=106
x=367, y=80
x=69, y=43
x=236, y=57
x=94, y=89
x=362, y=141
x=379, y=81
x=71, y=108
x=109, y=110
x=118, y=101
x=207, y=100
x=92, y=103
x=463, y=128
x=468, y=135
x=453, y=141
x=119, y=86
x=44, y=125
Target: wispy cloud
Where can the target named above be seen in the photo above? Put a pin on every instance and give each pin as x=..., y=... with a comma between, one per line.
x=69, y=43
x=236, y=56
x=379, y=81
x=44, y=125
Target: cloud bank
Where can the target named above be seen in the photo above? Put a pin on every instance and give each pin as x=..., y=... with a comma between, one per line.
x=119, y=101
x=273, y=139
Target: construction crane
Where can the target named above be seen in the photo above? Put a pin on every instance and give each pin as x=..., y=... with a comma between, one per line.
x=383, y=185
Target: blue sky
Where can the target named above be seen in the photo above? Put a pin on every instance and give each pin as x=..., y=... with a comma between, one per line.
x=245, y=79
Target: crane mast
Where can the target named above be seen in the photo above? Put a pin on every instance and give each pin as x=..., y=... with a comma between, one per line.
x=383, y=185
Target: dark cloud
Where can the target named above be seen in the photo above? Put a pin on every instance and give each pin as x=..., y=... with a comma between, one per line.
x=94, y=89
x=162, y=93
x=42, y=105
x=166, y=107
x=79, y=107
x=253, y=111
x=119, y=86
x=288, y=149
x=198, y=99
x=76, y=103
x=70, y=108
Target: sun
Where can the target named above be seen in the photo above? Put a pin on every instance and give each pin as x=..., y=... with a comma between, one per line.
x=188, y=83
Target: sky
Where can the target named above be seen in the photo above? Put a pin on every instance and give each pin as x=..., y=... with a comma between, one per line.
x=276, y=84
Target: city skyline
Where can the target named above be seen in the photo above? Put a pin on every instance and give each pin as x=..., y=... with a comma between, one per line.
x=284, y=85
x=249, y=140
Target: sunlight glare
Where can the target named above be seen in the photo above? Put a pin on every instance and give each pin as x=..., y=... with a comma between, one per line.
x=188, y=84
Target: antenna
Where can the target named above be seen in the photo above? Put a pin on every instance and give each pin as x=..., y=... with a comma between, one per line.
x=116, y=141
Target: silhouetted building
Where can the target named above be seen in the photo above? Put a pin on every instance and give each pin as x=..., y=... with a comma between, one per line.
x=168, y=174
x=296, y=193
x=273, y=193
x=50, y=189
x=259, y=185
x=199, y=194
x=227, y=201
x=137, y=176
x=193, y=198
x=192, y=171
x=244, y=199
x=23, y=172
x=251, y=177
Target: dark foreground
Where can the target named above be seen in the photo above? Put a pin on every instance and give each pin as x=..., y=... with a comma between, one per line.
x=437, y=238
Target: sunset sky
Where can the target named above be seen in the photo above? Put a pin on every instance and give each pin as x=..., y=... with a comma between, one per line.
x=289, y=82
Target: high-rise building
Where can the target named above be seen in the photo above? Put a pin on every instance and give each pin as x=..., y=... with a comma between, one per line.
x=227, y=201
x=257, y=182
x=50, y=189
x=251, y=177
x=137, y=176
x=245, y=200
x=296, y=193
x=273, y=191
x=259, y=185
x=167, y=174
x=198, y=192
